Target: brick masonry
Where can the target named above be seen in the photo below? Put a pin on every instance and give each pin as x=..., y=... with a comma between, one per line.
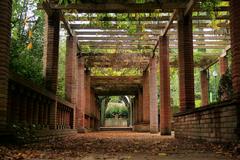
x=80, y=109
x=204, y=87
x=153, y=96
x=146, y=105
x=165, y=108
x=140, y=105
x=223, y=64
x=71, y=71
x=235, y=43
x=216, y=123
x=5, y=32
x=186, y=63
x=51, y=49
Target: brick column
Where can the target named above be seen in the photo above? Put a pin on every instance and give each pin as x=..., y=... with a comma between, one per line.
x=186, y=63
x=80, y=110
x=50, y=59
x=146, y=105
x=153, y=96
x=5, y=38
x=223, y=63
x=51, y=48
x=235, y=43
x=88, y=92
x=204, y=87
x=137, y=109
x=71, y=71
x=140, y=106
x=165, y=108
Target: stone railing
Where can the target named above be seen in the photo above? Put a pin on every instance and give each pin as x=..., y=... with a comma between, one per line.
x=31, y=105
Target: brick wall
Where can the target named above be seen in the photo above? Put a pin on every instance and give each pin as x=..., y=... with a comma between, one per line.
x=212, y=123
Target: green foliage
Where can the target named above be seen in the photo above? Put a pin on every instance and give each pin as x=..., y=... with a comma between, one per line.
x=225, y=89
x=209, y=5
x=115, y=72
x=214, y=82
x=27, y=40
x=116, y=109
x=174, y=86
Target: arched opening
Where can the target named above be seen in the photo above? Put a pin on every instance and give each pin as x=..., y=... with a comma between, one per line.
x=116, y=111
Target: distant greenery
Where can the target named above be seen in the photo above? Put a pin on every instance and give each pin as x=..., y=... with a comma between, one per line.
x=116, y=109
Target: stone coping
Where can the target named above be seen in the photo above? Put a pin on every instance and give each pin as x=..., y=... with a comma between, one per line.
x=207, y=107
x=40, y=90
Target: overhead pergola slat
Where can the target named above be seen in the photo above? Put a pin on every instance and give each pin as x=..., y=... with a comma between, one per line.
x=103, y=32
x=146, y=26
x=132, y=38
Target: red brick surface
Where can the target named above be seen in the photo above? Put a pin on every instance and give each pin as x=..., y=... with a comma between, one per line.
x=5, y=34
x=80, y=109
x=153, y=96
x=235, y=43
x=146, y=105
x=140, y=106
x=165, y=108
x=51, y=50
x=223, y=64
x=186, y=63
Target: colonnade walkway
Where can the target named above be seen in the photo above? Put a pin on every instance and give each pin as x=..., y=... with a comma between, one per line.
x=109, y=145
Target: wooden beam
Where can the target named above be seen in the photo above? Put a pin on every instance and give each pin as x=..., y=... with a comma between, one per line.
x=151, y=48
x=66, y=25
x=151, y=39
x=153, y=33
x=117, y=7
x=149, y=44
x=190, y=6
x=142, y=19
x=116, y=79
x=168, y=25
x=147, y=26
x=124, y=55
x=173, y=16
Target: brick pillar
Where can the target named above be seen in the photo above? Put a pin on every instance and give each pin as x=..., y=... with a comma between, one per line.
x=80, y=110
x=137, y=109
x=223, y=63
x=186, y=63
x=204, y=87
x=71, y=71
x=165, y=106
x=146, y=105
x=140, y=106
x=51, y=48
x=50, y=59
x=5, y=38
x=153, y=96
x=235, y=43
x=88, y=92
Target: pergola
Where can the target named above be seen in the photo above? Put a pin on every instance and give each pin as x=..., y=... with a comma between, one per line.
x=160, y=26
x=96, y=39
x=151, y=19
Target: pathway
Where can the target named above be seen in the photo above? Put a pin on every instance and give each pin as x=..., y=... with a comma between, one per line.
x=119, y=145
